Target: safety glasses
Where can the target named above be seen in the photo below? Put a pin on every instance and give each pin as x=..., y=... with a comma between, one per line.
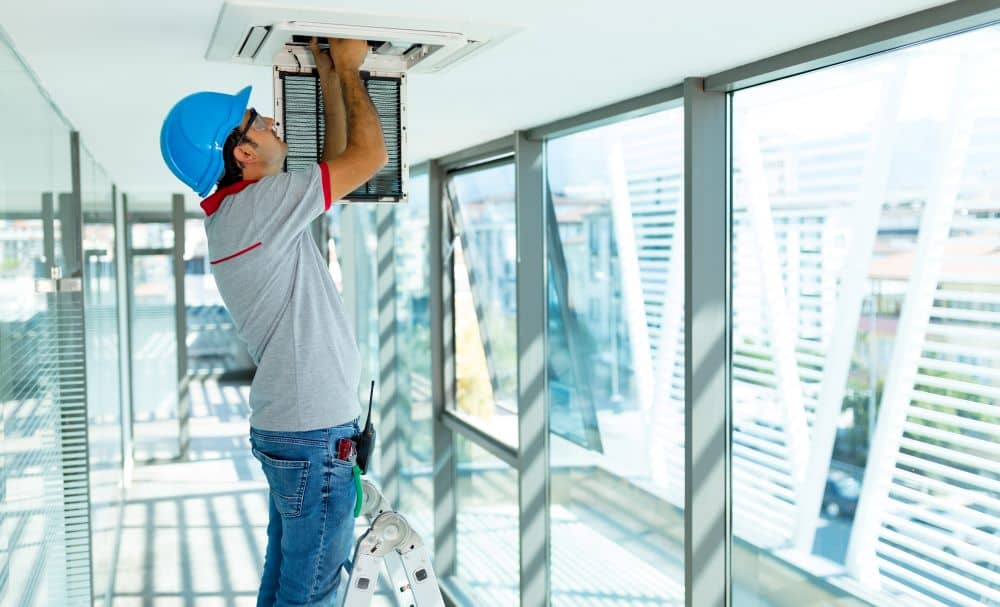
x=256, y=123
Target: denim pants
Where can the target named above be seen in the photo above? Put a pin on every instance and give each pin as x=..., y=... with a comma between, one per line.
x=310, y=527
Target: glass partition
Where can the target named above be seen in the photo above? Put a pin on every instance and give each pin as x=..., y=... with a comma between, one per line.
x=41, y=355
x=154, y=343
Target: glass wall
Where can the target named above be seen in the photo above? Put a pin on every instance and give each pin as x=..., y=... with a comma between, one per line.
x=41, y=355
x=615, y=343
x=480, y=206
x=104, y=407
x=154, y=341
x=488, y=545
x=413, y=366
x=866, y=329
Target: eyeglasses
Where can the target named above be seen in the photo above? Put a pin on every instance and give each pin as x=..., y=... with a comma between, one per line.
x=255, y=122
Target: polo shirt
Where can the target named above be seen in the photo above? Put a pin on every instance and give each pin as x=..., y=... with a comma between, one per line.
x=278, y=289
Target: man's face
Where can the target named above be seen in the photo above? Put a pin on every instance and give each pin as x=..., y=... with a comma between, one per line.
x=269, y=148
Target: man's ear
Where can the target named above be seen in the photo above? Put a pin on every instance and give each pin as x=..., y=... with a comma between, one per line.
x=244, y=154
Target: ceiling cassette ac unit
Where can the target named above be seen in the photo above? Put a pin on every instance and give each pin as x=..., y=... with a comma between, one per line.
x=263, y=35
x=278, y=37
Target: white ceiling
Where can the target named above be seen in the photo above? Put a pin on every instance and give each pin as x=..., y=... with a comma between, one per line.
x=116, y=66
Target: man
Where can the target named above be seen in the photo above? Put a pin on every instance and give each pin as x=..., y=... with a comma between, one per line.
x=279, y=292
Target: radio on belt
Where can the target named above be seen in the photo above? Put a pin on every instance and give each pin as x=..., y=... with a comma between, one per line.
x=365, y=441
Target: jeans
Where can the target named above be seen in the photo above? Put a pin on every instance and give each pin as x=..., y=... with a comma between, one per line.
x=310, y=527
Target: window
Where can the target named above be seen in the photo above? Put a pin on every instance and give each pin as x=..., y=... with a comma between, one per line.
x=481, y=205
x=615, y=342
x=888, y=177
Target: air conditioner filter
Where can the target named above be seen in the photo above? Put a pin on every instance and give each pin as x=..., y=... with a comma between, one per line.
x=299, y=104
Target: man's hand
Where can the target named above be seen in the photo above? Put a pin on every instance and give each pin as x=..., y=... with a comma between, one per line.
x=348, y=55
x=363, y=153
x=324, y=61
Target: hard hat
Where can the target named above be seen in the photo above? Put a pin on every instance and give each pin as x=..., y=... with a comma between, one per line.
x=194, y=133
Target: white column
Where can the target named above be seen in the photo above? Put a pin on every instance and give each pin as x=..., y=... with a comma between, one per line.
x=782, y=335
x=864, y=217
x=935, y=226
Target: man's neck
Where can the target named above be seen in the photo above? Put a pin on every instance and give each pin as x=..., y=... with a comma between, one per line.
x=256, y=173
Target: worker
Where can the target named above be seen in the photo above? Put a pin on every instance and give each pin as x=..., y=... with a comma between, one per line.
x=278, y=289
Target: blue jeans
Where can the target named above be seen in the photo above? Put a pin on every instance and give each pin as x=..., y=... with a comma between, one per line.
x=310, y=528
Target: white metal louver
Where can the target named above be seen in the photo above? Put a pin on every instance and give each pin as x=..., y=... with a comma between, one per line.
x=298, y=115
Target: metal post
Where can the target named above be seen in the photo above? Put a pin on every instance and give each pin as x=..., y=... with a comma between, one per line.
x=129, y=320
x=533, y=418
x=48, y=233
x=124, y=333
x=388, y=384
x=69, y=331
x=707, y=527
x=180, y=311
x=442, y=378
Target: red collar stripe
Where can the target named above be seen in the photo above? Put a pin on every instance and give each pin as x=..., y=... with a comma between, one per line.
x=211, y=204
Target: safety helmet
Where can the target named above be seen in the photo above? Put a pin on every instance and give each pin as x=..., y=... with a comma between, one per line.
x=194, y=133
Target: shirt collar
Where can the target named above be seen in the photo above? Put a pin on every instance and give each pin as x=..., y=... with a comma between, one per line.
x=211, y=204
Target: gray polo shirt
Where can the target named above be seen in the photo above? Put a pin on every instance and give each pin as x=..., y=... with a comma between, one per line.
x=278, y=290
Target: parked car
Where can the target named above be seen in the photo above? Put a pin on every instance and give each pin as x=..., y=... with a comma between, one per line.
x=841, y=495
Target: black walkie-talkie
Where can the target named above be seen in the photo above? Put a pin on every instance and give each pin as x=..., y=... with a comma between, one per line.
x=366, y=440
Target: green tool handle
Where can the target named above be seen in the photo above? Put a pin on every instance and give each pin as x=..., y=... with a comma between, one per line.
x=360, y=492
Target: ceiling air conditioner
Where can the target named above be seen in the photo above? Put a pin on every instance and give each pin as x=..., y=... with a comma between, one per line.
x=278, y=37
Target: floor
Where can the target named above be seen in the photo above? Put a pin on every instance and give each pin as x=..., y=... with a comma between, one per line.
x=193, y=532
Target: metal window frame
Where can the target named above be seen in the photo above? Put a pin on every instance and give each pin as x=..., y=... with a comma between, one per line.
x=707, y=349
x=533, y=470
x=708, y=538
x=908, y=30
x=445, y=475
x=477, y=154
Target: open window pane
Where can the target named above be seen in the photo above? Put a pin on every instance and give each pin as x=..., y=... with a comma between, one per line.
x=615, y=348
x=482, y=211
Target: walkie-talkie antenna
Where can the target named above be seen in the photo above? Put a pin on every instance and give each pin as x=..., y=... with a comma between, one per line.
x=371, y=397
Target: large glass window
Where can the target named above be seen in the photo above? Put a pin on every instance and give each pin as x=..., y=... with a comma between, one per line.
x=616, y=363
x=866, y=329
x=480, y=205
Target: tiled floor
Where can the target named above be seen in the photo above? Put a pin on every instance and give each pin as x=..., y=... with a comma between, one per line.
x=194, y=531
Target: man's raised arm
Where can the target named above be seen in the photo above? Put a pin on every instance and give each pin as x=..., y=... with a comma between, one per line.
x=364, y=152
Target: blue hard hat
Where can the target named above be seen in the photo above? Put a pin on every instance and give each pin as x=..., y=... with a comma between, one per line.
x=194, y=132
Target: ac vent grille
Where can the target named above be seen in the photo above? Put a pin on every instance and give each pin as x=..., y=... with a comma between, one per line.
x=303, y=127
